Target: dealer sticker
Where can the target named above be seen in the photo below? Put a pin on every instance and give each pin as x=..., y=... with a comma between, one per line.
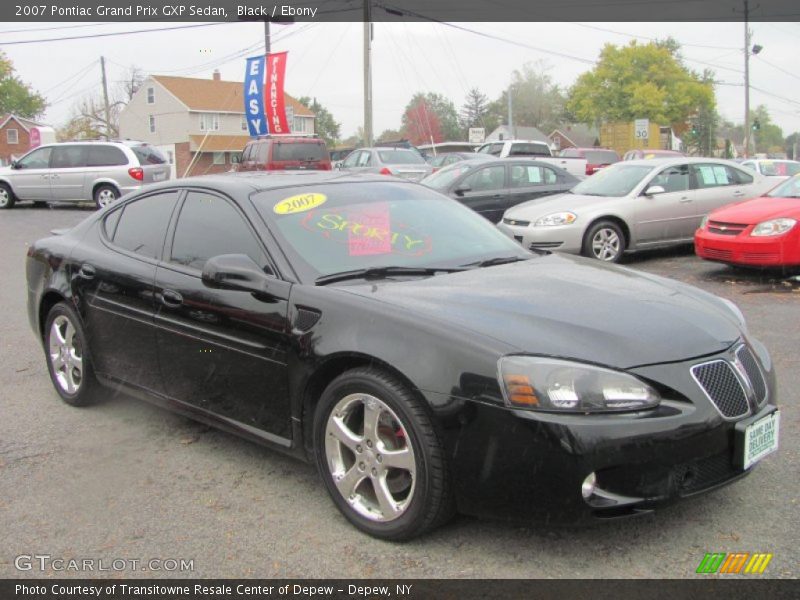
x=299, y=203
x=760, y=439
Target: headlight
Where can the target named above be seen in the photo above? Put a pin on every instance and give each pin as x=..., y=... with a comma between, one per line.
x=562, y=218
x=704, y=222
x=773, y=227
x=564, y=386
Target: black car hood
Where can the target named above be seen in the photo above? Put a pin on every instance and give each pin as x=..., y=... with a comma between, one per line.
x=559, y=305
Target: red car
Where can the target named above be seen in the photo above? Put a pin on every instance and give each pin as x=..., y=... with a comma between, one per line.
x=762, y=232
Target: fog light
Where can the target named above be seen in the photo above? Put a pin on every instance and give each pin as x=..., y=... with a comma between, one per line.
x=589, y=484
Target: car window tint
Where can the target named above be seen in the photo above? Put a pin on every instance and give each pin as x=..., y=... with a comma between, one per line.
x=298, y=151
x=143, y=224
x=489, y=178
x=149, y=155
x=523, y=176
x=38, y=159
x=351, y=159
x=105, y=156
x=673, y=179
x=365, y=159
x=739, y=176
x=711, y=175
x=248, y=149
x=209, y=226
x=65, y=157
x=529, y=150
x=400, y=157
x=110, y=223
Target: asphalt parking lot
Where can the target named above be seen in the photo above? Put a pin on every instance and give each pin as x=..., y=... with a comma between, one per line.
x=126, y=480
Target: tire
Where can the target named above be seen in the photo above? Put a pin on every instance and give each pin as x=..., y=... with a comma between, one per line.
x=104, y=195
x=67, y=355
x=7, y=198
x=395, y=502
x=604, y=241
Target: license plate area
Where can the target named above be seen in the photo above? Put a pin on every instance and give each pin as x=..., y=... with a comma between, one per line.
x=756, y=439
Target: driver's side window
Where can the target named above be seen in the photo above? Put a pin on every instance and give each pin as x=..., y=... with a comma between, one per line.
x=38, y=159
x=351, y=159
x=365, y=159
x=673, y=179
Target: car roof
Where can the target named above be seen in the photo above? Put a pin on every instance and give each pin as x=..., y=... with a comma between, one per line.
x=677, y=160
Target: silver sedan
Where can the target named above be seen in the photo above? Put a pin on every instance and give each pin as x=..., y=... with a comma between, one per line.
x=400, y=162
x=632, y=205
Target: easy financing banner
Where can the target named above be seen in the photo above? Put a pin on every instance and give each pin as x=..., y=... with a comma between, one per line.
x=264, y=103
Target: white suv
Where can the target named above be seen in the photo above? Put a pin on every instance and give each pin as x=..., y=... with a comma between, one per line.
x=81, y=171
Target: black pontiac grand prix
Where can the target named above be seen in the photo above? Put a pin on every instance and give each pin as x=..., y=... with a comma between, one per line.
x=423, y=360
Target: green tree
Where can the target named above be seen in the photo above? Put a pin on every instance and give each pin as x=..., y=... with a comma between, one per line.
x=768, y=138
x=641, y=81
x=474, y=110
x=536, y=101
x=701, y=134
x=325, y=125
x=389, y=135
x=16, y=96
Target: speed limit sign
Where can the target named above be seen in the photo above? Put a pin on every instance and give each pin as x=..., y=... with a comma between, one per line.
x=641, y=128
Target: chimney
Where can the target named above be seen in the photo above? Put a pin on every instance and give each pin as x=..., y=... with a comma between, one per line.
x=216, y=76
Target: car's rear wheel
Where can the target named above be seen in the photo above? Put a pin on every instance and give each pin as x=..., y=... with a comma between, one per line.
x=380, y=457
x=68, y=357
x=6, y=196
x=604, y=241
x=105, y=195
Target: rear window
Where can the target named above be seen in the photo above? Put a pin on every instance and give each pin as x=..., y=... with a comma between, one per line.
x=299, y=151
x=601, y=157
x=529, y=150
x=148, y=155
x=400, y=157
x=781, y=169
x=106, y=156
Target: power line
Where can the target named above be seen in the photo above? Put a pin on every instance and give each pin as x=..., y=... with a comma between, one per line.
x=644, y=37
x=758, y=56
x=109, y=34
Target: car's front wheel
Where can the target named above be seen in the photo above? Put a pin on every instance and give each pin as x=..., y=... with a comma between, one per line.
x=6, y=196
x=68, y=357
x=380, y=457
x=604, y=241
x=105, y=195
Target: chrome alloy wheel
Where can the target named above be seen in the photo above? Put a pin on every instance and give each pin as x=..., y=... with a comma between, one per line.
x=370, y=457
x=5, y=197
x=66, y=356
x=105, y=197
x=606, y=244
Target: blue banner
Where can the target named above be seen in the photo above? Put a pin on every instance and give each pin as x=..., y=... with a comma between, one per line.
x=254, y=97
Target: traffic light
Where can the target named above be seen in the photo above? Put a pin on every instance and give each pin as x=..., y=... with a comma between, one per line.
x=694, y=130
x=756, y=125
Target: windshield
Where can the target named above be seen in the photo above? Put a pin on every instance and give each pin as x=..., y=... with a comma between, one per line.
x=442, y=179
x=779, y=168
x=788, y=189
x=335, y=227
x=400, y=157
x=616, y=180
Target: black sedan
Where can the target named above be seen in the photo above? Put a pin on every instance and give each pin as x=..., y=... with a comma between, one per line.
x=490, y=187
x=423, y=360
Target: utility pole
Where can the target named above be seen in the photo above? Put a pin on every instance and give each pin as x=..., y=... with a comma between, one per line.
x=267, y=42
x=105, y=97
x=367, y=73
x=746, y=80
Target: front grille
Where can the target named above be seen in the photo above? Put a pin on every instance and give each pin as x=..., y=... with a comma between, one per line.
x=722, y=228
x=760, y=256
x=540, y=245
x=745, y=356
x=719, y=381
x=704, y=473
x=718, y=254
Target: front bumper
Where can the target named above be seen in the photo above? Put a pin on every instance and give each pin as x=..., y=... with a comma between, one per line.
x=746, y=250
x=567, y=238
x=519, y=464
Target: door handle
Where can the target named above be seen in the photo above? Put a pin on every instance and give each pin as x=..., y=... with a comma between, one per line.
x=171, y=298
x=738, y=193
x=86, y=272
x=54, y=176
x=685, y=199
x=45, y=176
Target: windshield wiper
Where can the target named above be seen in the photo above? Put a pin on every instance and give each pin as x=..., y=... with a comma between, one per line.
x=383, y=272
x=498, y=260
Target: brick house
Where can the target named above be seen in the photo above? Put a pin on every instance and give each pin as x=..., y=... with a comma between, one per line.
x=574, y=136
x=199, y=124
x=15, y=137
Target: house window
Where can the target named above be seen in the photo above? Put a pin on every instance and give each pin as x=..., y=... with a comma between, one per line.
x=151, y=95
x=12, y=136
x=219, y=158
x=209, y=122
x=152, y=124
x=244, y=123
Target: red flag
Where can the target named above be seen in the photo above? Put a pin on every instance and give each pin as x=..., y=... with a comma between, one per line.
x=273, y=93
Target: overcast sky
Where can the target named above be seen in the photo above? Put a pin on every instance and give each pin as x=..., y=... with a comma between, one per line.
x=325, y=60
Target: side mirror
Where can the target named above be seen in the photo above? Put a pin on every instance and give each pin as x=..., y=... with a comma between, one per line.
x=14, y=164
x=234, y=272
x=654, y=189
x=459, y=191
